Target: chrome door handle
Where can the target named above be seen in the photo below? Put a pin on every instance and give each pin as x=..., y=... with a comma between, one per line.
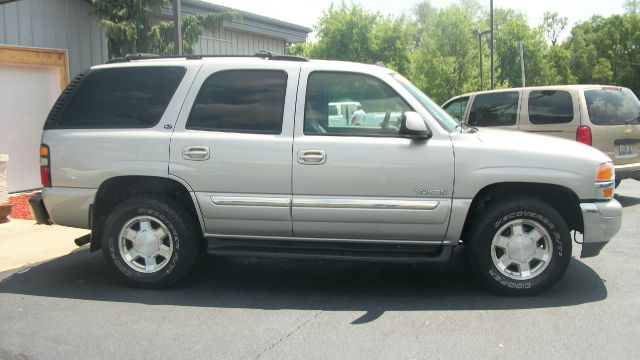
x=195, y=153
x=312, y=157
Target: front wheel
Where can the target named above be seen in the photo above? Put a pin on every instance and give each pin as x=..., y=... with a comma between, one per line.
x=521, y=246
x=150, y=243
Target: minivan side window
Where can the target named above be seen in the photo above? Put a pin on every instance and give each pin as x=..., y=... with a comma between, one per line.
x=550, y=107
x=132, y=97
x=494, y=109
x=456, y=108
x=243, y=101
x=369, y=106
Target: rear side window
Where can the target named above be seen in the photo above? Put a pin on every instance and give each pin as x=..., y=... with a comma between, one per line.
x=495, y=109
x=245, y=101
x=612, y=106
x=134, y=97
x=550, y=107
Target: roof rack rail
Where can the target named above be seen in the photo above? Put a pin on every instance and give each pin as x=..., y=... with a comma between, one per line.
x=260, y=54
x=270, y=56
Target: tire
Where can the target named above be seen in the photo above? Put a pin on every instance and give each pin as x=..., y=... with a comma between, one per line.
x=150, y=243
x=531, y=234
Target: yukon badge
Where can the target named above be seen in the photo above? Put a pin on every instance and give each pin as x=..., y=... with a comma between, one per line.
x=432, y=192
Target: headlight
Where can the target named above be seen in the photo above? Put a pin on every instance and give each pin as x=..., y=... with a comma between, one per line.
x=605, y=179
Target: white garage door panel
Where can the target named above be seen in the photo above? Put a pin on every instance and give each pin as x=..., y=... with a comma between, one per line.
x=27, y=93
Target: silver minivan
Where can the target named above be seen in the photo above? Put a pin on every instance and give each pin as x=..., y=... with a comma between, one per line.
x=605, y=117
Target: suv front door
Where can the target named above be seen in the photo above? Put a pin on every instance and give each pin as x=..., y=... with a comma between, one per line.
x=365, y=181
x=232, y=145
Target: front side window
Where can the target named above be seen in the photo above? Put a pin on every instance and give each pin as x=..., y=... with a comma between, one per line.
x=351, y=104
x=612, y=106
x=550, y=107
x=244, y=101
x=128, y=97
x=494, y=109
x=456, y=108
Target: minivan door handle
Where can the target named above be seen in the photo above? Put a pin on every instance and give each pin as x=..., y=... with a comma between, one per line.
x=312, y=157
x=195, y=153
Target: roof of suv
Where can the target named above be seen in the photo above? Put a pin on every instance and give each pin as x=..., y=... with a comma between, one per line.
x=549, y=87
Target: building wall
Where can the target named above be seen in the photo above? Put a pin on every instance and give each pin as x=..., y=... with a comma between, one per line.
x=231, y=42
x=55, y=24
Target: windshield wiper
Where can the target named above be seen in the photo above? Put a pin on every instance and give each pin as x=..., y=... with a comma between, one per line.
x=634, y=120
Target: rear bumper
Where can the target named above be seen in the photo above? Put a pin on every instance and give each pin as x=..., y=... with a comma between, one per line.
x=69, y=206
x=628, y=171
x=602, y=220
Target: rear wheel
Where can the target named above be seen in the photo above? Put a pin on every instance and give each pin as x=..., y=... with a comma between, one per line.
x=150, y=243
x=521, y=246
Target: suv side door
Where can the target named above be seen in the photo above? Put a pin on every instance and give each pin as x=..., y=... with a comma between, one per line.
x=495, y=109
x=232, y=145
x=550, y=112
x=366, y=181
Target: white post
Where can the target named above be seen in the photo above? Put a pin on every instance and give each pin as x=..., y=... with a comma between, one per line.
x=524, y=82
x=5, y=206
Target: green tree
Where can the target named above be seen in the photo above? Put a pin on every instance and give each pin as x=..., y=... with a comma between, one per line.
x=605, y=50
x=446, y=62
x=632, y=6
x=136, y=26
x=553, y=25
x=349, y=32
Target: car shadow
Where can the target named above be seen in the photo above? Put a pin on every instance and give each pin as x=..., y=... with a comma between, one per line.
x=271, y=284
x=627, y=201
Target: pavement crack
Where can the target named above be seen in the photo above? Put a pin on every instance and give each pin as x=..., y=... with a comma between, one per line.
x=288, y=335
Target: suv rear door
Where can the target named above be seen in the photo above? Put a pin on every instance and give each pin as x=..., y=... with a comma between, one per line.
x=550, y=112
x=232, y=145
x=365, y=182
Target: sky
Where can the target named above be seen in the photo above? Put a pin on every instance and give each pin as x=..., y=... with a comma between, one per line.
x=307, y=13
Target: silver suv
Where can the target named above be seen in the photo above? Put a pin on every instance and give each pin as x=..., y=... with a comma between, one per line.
x=168, y=158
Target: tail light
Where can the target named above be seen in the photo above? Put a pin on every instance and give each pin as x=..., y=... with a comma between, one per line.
x=45, y=166
x=583, y=135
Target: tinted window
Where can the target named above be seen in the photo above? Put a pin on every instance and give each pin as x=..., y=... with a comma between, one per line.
x=615, y=106
x=456, y=108
x=134, y=97
x=550, y=107
x=369, y=107
x=246, y=101
x=495, y=109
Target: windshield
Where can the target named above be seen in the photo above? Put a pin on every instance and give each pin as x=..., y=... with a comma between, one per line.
x=612, y=106
x=436, y=111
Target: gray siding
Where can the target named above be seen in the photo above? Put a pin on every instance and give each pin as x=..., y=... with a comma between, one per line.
x=230, y=42
x=55, y=24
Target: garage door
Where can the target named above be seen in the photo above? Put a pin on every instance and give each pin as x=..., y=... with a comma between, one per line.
x=27, y=93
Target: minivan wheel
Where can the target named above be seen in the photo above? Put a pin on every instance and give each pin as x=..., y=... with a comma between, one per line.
x=150, y=243
x=521, y=246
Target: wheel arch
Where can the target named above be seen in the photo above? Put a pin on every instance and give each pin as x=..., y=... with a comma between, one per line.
x=117, y=189
x=561, y=198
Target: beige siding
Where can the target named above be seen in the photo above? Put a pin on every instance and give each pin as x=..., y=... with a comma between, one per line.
x=230, y=42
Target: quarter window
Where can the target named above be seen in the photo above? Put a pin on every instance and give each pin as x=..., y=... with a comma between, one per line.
x=456, y=108
x=494, y=109
x=351, y=104
x=550, y=107
x=133, y=97
x=244, y=101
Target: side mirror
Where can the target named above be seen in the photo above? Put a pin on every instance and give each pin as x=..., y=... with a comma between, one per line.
x=413, y=126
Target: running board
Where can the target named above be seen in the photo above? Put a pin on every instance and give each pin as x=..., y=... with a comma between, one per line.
x=330, y=250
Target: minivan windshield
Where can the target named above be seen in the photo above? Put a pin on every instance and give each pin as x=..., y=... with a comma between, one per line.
x=436, y=111
x=612, y=106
